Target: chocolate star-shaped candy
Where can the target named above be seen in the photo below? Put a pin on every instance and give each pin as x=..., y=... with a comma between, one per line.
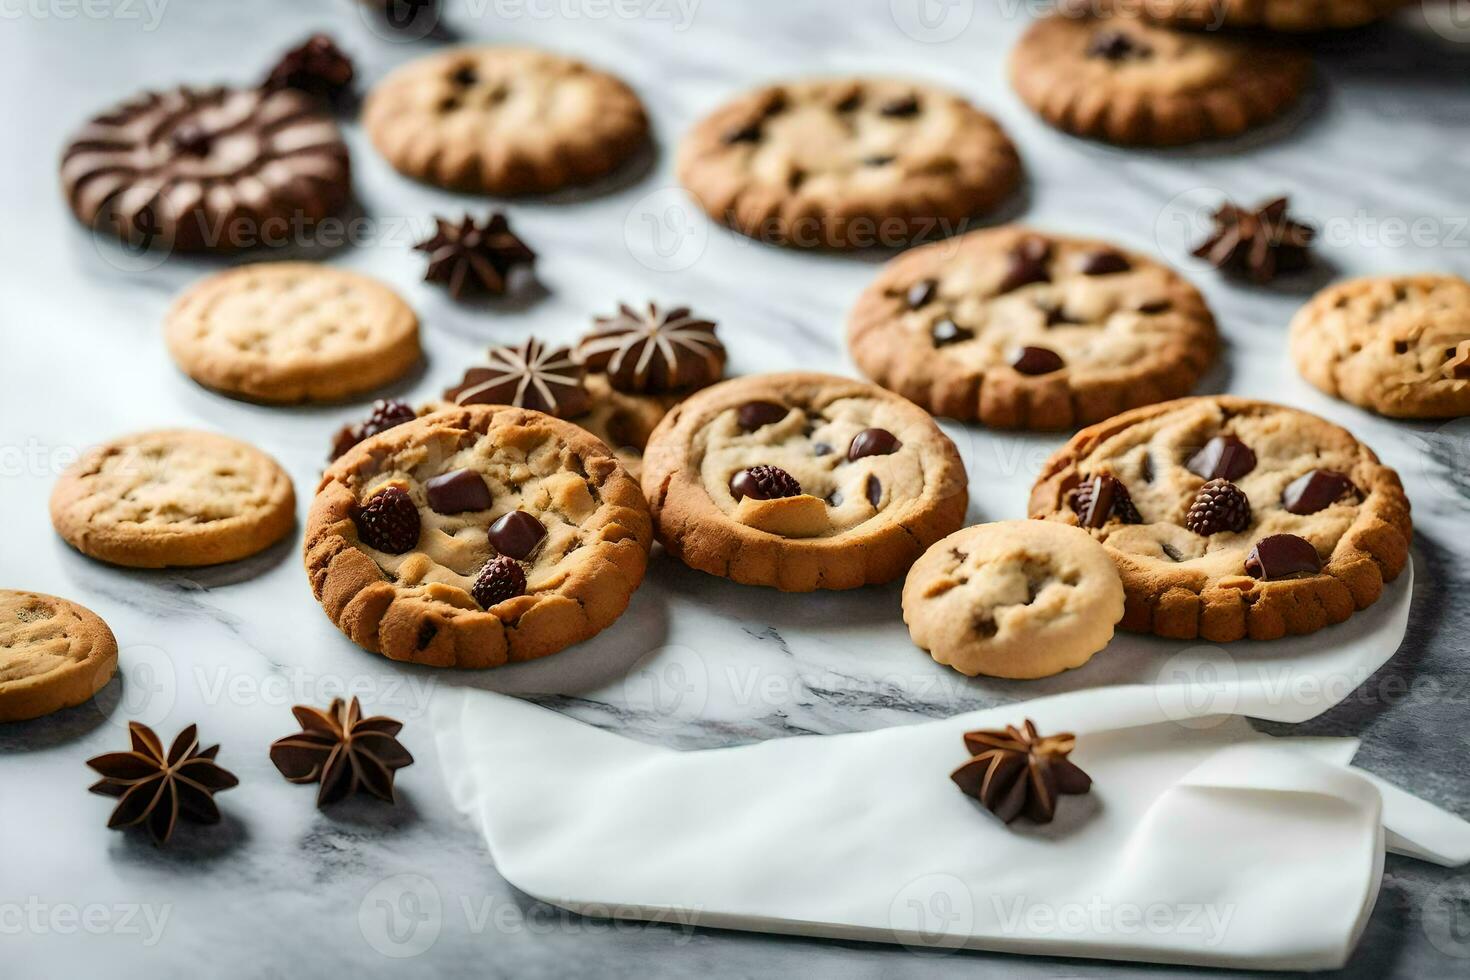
x=1258, y=244
x=1016, y=772
x=654, y=350
x=155, y=788
x=343, y=751
x=533, y=375
x=474, y=258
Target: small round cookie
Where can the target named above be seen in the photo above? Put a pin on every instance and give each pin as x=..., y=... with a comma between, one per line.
x=476, y=536
x=801, y=481
x=1016, y=599
x=848, y=163
x=1230, y=518
x=174, y=497
x=504, y=120
x=215, y=169
x=54, y=654
x=1025, y=330
x=1130, y=82
x=288, y=332
x=1399, y=345
x=1274, y=15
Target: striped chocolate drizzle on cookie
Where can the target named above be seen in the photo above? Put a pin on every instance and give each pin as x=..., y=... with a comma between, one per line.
x=654, y=350
x=533, y=375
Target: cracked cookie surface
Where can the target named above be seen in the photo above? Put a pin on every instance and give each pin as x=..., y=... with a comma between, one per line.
x=1200, y=561
x=1127, y=81
x=1398, y=345
x=1016, y=599
x=173, y=497
x=53, y=654
x=504, y=120
x=848, y=163
x=518, y=508
x=1274, y=15
x=801, y=481
x=1101, y=329
x=291, y=332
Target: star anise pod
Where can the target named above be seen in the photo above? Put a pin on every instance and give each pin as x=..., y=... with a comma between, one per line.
x=1015, y=771
x=155, y=787
x=343, y=751
x=317, y=67
x=1258, y=244
x=470, y=257
x=654, y=350
x=534, y=375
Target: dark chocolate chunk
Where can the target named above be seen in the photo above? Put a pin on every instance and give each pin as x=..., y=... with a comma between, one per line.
x=1027, y=264
x=753, y=415
x=878, y=161
x=1101, y=497
x=1283, y=555
x=872, y=442
x=1103, y=262
x=1173, y=552
x=921, y=292
x=1155, y=306
x=1037, y=360
x=1223, y=458
x=900, y=108
x=749, y=133
x=1316, y=491
x=516, y=534
x=457, y=492
x=947, y=332
x=874, y=490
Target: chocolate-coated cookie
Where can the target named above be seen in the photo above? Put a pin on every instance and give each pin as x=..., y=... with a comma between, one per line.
x=1128, y=81
x=848, y=163
x=215, y=169
x=1230, y=518
x=1023, y=329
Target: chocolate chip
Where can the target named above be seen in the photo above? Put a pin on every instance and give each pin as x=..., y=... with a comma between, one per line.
x=191, y=139
x=465, y=76
x=1055, y=314
x=921, y=292
x=1097, y=499
x=878, y=161
x=1146, y=468
x=900, y=108
x=1400, y=346
x=1173, y=552
x=457, y=492
x=850, y=102
x=872, y=442
x=1283, y=555
x=1103, y=262
x=749, y=133
x=947, y=332
x=874, y=490
x=1027, y=264
x=1115, y=45
x=764, y=483
x=1155, y=306
x=1316, y=491
x=1037, y=360
x=1223, y=458
x=753, y=415
x=821, y=449
x=516, y=534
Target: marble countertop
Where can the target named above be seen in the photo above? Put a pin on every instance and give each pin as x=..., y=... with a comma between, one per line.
x=1377, y=156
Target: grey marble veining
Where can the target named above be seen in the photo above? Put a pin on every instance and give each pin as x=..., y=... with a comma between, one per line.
x=1377, y=155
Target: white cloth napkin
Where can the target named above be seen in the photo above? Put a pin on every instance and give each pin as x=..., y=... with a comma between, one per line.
x=1209, y=844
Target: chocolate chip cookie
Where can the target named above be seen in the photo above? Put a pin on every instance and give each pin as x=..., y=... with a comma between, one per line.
x=173, y=498
x=476, y=536
x=1025, y=330
x=53, y=654
x=1230, y=518
x=801, y=481
x=1274, y=15
x=1018, y=599
x=292, y=331
x=848, y=163
x=1399, y=345
x=1127, y=81
x=214, y=169
x=504, y=120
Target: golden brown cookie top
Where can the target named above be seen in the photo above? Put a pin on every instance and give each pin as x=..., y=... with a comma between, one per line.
x=53, y=654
